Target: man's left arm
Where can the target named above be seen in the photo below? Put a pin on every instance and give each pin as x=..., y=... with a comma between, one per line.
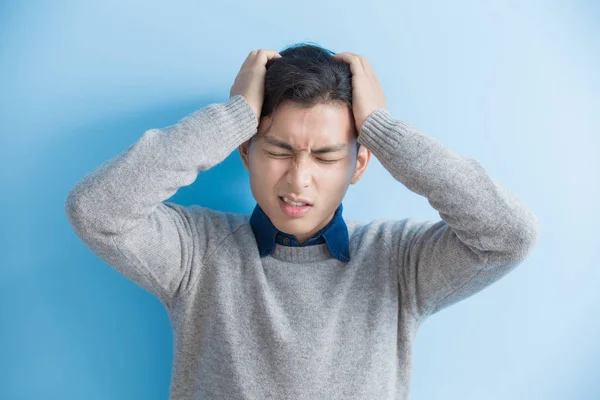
x=485, y=230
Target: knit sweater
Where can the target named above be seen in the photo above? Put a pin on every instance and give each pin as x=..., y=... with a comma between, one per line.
x=298, y=323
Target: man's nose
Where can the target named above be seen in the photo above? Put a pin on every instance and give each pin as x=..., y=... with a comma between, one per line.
x=299, y=173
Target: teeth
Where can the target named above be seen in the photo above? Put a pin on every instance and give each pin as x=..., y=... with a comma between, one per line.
x=291, y=203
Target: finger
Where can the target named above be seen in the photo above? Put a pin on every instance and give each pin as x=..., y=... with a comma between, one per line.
x=365, y=64
x=264, y=55
x=367, y=67
x=356, y=66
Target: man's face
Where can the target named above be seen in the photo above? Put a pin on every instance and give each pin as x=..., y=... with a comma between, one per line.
x=321, y=178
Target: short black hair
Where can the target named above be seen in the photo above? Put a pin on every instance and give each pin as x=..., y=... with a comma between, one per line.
x=307, y=74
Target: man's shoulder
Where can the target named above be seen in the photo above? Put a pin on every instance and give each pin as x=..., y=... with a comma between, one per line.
x=383, y=237
x=210, y=218
x=385, y=228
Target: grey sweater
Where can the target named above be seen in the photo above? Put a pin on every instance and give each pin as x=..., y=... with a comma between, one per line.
x=299, y=323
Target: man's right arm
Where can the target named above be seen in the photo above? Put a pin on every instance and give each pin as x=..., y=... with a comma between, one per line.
x=118, y=209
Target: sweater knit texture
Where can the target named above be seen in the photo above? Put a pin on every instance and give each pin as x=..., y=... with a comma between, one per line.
x=298, y=323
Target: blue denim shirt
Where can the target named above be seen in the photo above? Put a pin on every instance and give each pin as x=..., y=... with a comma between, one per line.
x=335, y=234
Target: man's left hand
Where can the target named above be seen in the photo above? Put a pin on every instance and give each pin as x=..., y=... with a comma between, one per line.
x=367, y=93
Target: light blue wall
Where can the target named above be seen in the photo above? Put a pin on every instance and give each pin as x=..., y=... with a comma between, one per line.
x=514, y=85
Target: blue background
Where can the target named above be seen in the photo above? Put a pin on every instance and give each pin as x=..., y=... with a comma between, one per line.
x=513, y=84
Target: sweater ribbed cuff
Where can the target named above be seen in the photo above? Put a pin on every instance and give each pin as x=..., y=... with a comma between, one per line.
x=381, y=133
x=236, y=121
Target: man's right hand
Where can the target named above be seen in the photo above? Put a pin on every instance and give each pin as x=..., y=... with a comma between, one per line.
x=250, y=80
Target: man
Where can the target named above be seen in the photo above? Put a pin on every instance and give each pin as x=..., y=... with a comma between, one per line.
x=294, y=301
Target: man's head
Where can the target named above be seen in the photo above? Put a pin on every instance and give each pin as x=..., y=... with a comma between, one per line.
x=306, y=144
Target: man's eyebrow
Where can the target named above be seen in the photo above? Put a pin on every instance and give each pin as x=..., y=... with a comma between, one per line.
x=287, y=146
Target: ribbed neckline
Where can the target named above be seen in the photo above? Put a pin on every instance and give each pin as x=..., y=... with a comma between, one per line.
x=300, y=255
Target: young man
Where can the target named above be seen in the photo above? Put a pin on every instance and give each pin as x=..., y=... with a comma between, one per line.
x=294, y=301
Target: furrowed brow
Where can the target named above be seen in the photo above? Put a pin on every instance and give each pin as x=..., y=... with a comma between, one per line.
x=287, y=146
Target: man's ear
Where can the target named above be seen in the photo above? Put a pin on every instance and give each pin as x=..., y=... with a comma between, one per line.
x=244, y=150
x=362, y=161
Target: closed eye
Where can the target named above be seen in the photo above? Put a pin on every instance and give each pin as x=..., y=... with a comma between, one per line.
x=287, y=155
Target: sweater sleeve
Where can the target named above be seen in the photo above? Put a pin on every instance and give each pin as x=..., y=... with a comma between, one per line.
x=484, y=232
x=119, y=210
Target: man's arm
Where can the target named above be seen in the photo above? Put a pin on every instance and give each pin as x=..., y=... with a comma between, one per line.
x=118, y=210
x=484, y=231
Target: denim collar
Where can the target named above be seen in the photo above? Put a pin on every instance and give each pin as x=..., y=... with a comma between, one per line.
x=335, y=234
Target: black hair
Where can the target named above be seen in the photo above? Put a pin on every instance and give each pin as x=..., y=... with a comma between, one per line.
x=307, y=74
